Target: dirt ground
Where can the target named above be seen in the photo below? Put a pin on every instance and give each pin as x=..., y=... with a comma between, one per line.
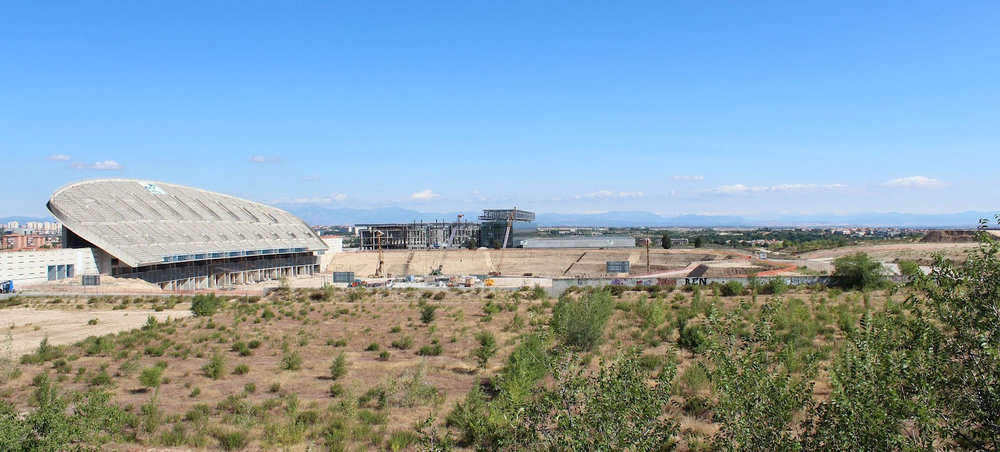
x=921, y=252
x=28, y=326
x=576, y=263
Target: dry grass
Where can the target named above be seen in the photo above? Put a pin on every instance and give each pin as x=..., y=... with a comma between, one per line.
x=318, y=330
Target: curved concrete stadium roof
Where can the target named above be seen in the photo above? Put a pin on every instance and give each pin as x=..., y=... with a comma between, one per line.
x=146, y=223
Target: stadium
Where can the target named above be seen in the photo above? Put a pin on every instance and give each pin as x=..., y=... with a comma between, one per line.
x=183, y=238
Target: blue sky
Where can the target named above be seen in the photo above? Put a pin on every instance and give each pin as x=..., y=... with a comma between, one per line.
x=751, y=108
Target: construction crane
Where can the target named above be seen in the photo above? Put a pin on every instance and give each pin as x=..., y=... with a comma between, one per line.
x=503, y=247
x=451, y=239
x=378, y=241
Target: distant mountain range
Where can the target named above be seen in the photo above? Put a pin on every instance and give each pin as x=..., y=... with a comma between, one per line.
x=963, y=220
x=343, y=216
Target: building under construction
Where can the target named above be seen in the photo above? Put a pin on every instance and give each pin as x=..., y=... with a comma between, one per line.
x=419, y=235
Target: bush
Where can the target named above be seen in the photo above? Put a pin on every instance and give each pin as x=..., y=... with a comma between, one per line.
x=241, y=369
x=909, y=268
x=487, y=347
x=231, y=440
x=430, y=350
x=577, y=413
x=242, y=348
x=151, y=377
x=775, y=286
x=44, y=353
x=291, y=361
x=427, y=312
x=403, y=343
x=401, y=440
x=580, y=324
x=216, y=366
x=691, y=338
x=858, y=271
x=338, y=368
x=206, y=305
x=732, y=288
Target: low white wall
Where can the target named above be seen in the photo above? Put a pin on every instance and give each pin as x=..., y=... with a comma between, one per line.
x=31, y=267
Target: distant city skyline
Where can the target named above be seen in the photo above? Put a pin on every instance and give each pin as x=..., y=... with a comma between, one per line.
x=760, y=109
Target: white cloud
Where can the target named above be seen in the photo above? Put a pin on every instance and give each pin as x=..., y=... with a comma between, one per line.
x=424, y=195
x=688, y=178
x=608, y=194
x=914, y=181
x=58, y=157
x=263, y=159
x=105, y=165
x=740, y=188
x=328, y=199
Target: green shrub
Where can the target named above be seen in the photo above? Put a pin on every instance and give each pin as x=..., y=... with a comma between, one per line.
x=373, y=347
x=241, y=369
x=338, y=369
x=487, y=347
x=242, y=348
x=291, y=361
x=174, y=437
x=206, y=305
x=775, y=286
x=401, y=440
x=427, y=312
x=403, y=343
x=858, y=271
x=691, y=338
x=231, y=440
x=581, y=323
x=216, y=366
x=45, y=352
x=430, y=350
x=151, y=377
x=732, y=288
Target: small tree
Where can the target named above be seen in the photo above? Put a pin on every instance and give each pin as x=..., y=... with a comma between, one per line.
x=216, y=366
x=665, y=241
x=206, y=305
x=487, y=347
x=427, y=313
x=339, y=366
x=698, y=241
x=858, y=271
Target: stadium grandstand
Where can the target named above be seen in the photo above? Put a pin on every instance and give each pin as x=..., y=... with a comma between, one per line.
x=183, y=238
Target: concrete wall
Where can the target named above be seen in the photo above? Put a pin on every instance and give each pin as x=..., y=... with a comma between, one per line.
x=336, y=245
x=581, y=242
x=31, y=267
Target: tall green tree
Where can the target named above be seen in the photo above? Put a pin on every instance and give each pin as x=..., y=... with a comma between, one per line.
x=665, y=241
x=858, y=271
x=965, y=299
x=698, y=241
